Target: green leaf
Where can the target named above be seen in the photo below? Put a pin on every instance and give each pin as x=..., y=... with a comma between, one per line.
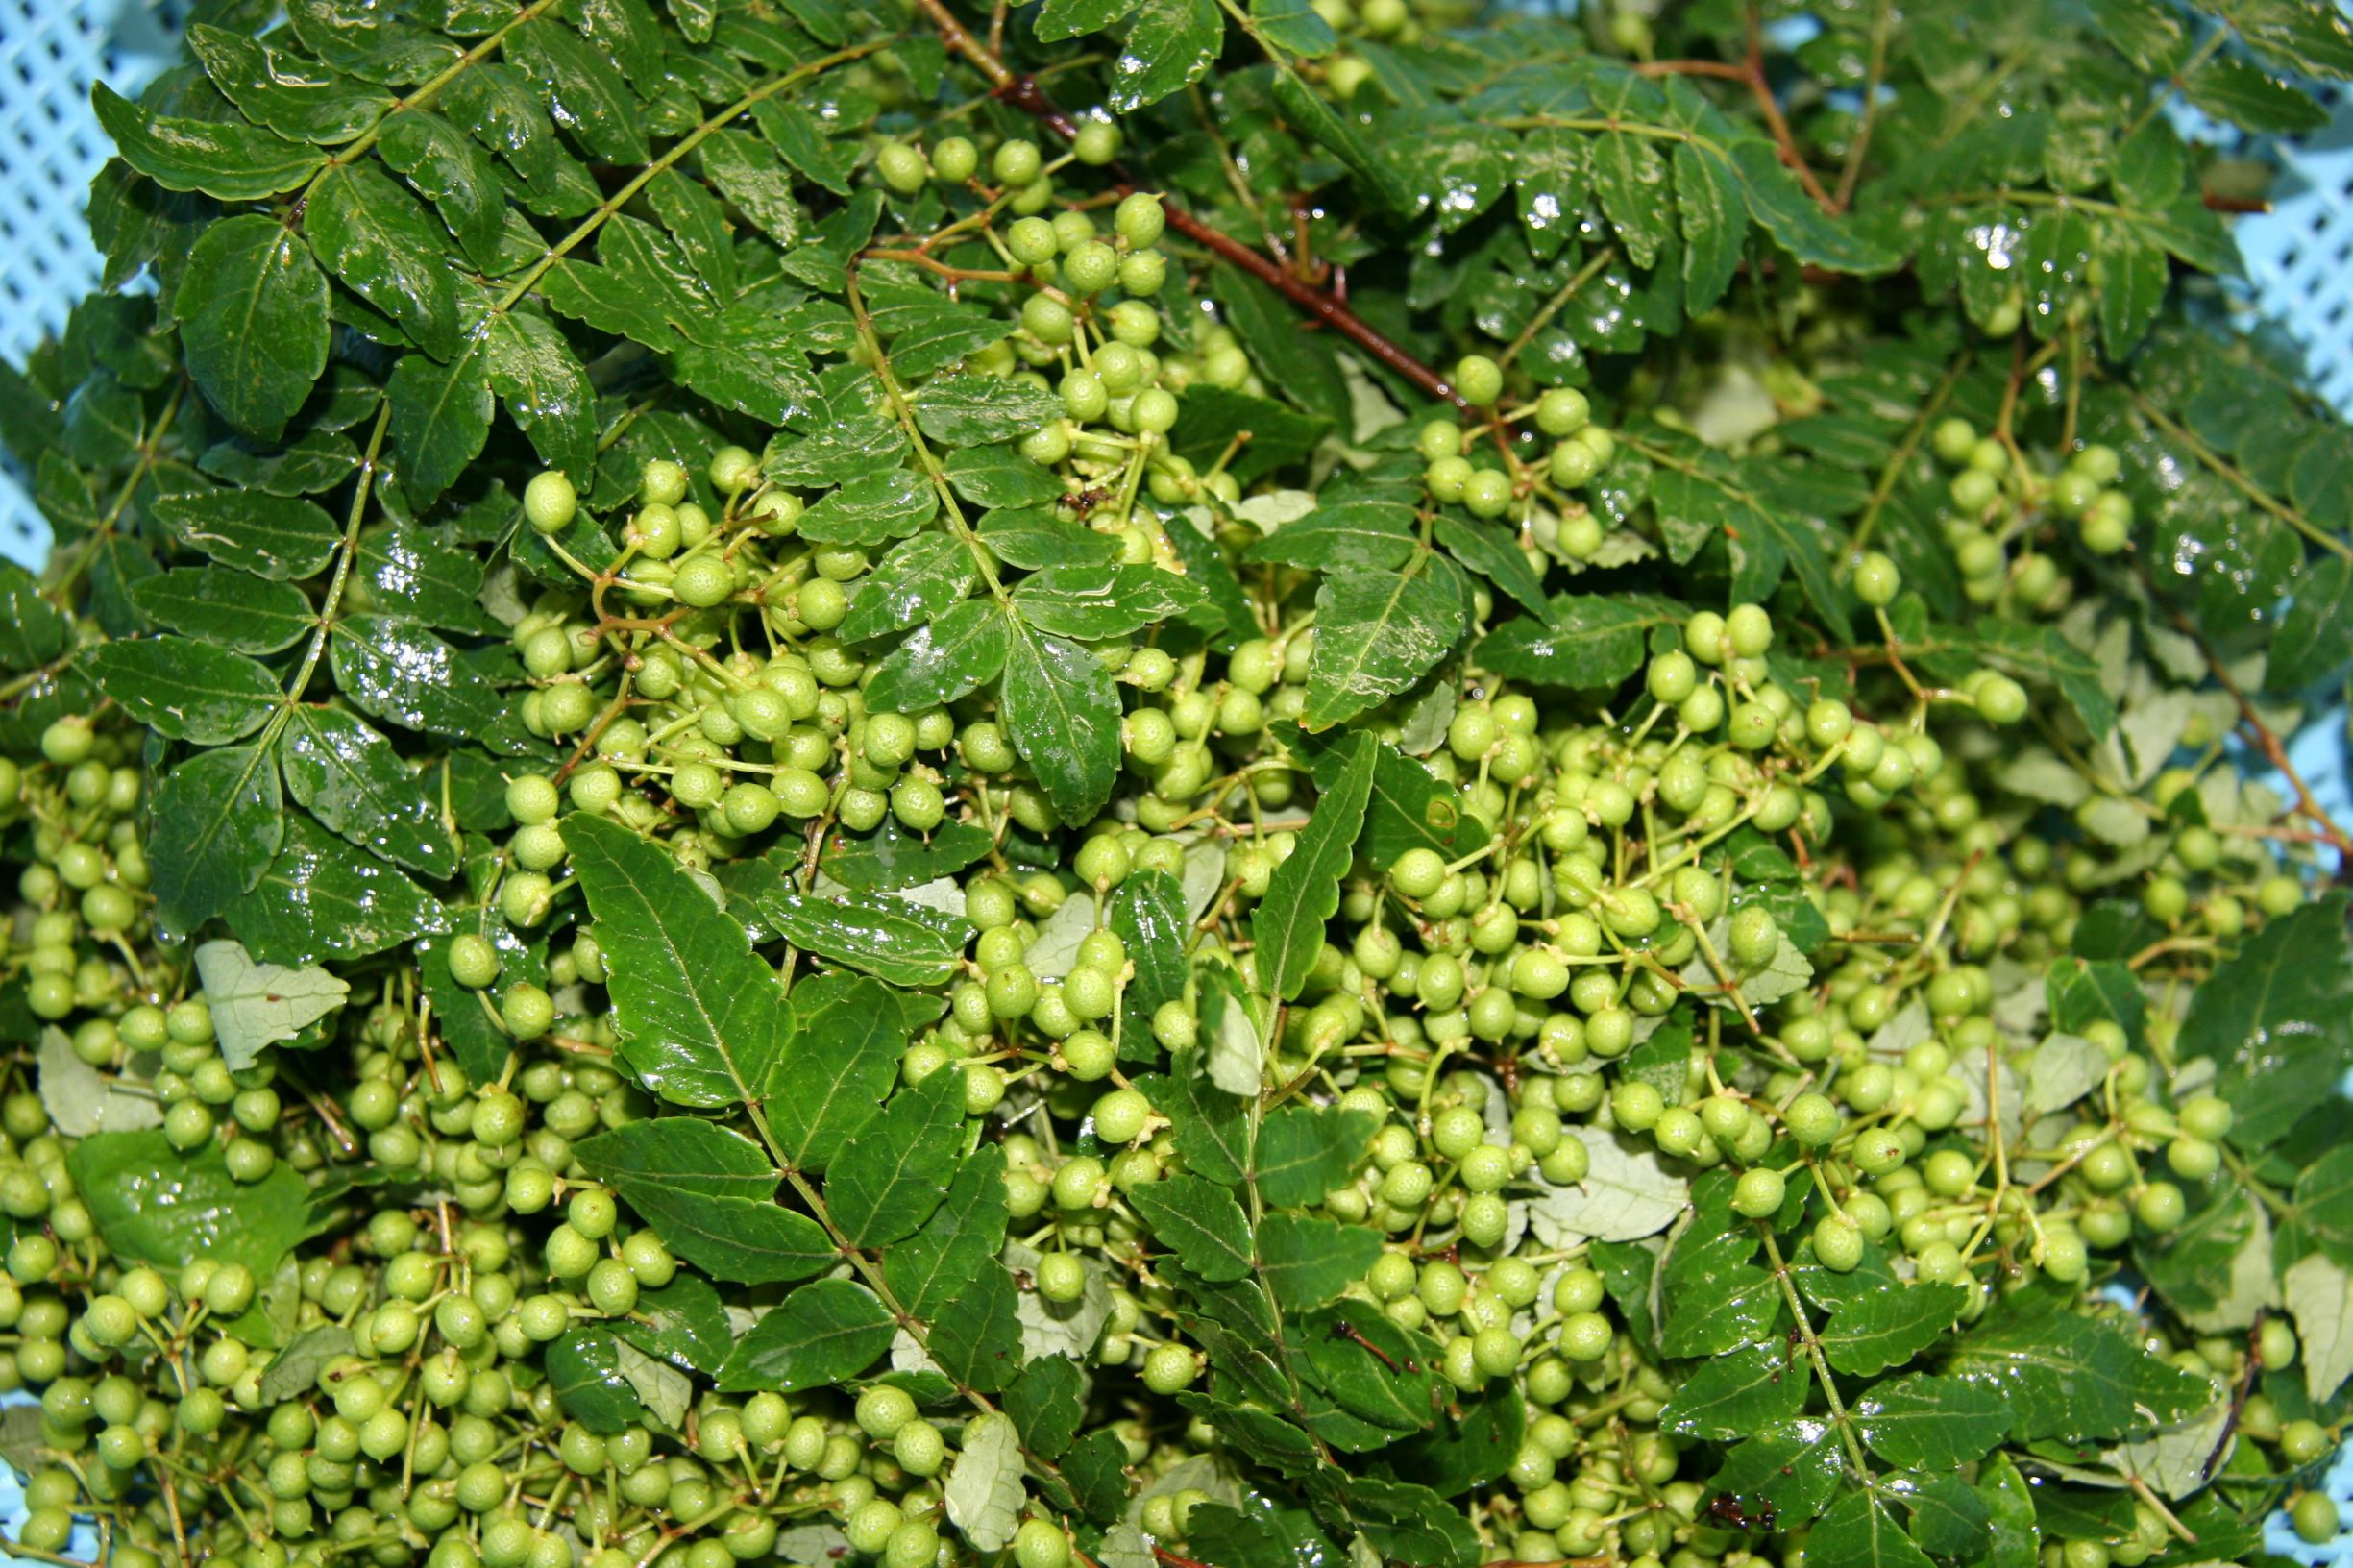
x=1305, y=891
x=957, y=1245
x=885, y=1183
x=185, y=688
x=871, y=508
x=373, y=235
x=258, y=1005
x=253, y=312
x=2244, y=94
x=2009, y=1501
x=1783, y=210
x=1210, y=417
x=1307, y=1261
x=2276, y=1020
x=218, y=820
x=1147, y=913
x=1035, y=538
x=840, y=1055
x=965, y=410
x=1630, y=178
x=1060, y=20
x=294, y=1371
x=1715, y=221
x=227, y=608
x=2039, y=655
x=608, y=1384
x=350, y=778
x=1377, y=634
x=1583, y=640
x=319, y=901
x=963, y=648
x=281, y=89
x=1092, y=603
x=1494, y=554
x=710, y=1195
x=1795, y=1465
x=748, y=173
x=1062, y=713
x=398, y=670
x=893, y=856
x=1551, y=184
x=1210, y=1127
x=2071, y=1378
x=2323, y=1200
x=1888, y=1328
x=701, y=1016
x=1295, y=26
x=989, y=477
x=1394, y=1394
x=681, y=1323
x=822, y=1334
x=1374, y=532
x=1409, y=809
x=927, y=330
x=1171, y=46
x=1859, y=1532
x=1735, y=1394
x=2083, y=994
x=228, y=159
x=2316, y=637
x=1200, y=1222
x=1462, y=167
x=454, y=175
x=1303, y=1152
x=154, y=1204
x=546, y=390
x=920, y=579
x=33, y=631
x=583, y=86
x=1046, y=1401
x=1931, y=1423
x=271, y=536
x=1301, y=365
x=892, y=939
x=440, y=415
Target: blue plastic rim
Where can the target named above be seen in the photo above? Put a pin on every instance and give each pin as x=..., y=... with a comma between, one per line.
x=2299, y=277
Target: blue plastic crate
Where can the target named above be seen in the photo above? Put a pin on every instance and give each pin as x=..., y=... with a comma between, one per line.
x=2298, y=256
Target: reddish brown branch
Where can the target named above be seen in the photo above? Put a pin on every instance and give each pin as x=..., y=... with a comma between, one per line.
x=1023, y=93
x=1750, y=71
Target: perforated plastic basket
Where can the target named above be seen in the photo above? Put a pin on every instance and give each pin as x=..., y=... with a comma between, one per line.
x=2299, y=262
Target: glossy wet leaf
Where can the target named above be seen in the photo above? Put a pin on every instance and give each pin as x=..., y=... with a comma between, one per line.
x=219, y=819
x=1378, y=633
x=228, y=159
x=1170, y=44
x=1092, y=603
x=186, y=688
x=1062, y=713
x=321, y=899
x=402, y=673
x=943, y=659
x=253, y=312
x=895, y=939
x=226, y=609
x=154, y=1204
x=1307, y=1261
x=377, y=241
